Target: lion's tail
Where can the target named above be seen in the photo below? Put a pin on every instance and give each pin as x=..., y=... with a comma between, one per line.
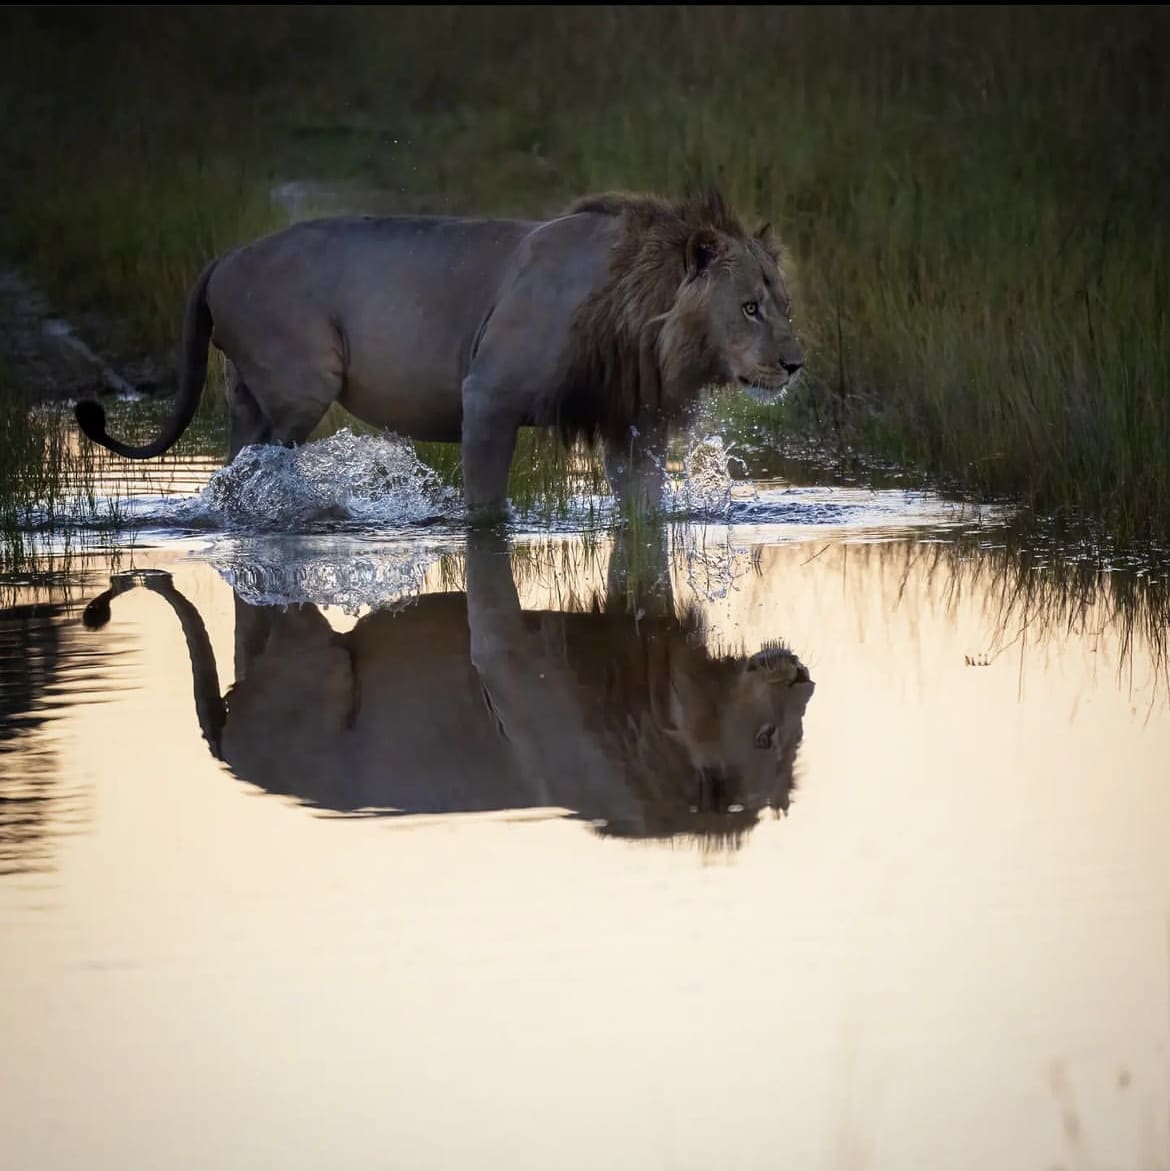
x=210, y=707
x=197, y=323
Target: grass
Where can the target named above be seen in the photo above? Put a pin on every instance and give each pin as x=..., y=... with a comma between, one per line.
x=544, y=479
x=975, y=198
x=44, y=475
x=60, y=495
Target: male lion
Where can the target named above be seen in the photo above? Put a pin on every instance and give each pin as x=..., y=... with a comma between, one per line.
x=605, y=322
x=464, y=702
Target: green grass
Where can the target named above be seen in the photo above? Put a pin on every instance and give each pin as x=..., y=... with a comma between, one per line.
x=975, y=198
x=544, y=478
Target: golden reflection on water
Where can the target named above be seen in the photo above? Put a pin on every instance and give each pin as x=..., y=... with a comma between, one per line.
x=953, y=952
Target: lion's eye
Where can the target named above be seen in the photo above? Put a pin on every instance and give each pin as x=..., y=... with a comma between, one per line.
x=751, y=309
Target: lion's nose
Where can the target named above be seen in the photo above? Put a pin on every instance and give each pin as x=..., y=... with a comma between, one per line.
x=712, y=789
x=792, y=367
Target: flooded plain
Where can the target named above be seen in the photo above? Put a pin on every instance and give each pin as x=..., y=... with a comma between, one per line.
x=822, y=829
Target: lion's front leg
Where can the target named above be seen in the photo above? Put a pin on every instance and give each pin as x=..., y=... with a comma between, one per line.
x=636, y=470
x=534, y=696
x=489, y=439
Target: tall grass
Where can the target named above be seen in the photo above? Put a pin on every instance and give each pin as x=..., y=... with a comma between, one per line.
x=975, y=198
x=61, y=496
x=44, y=474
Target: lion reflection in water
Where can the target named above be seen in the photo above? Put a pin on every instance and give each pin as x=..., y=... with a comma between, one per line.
x=464, y=702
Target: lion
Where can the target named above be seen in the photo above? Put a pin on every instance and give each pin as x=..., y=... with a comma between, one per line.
x=463, y=702
x=605, y=322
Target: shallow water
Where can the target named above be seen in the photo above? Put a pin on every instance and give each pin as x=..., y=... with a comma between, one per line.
x=479, y=864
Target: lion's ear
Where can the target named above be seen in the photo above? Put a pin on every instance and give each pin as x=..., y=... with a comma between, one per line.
x=703, y=248
x=767, y=239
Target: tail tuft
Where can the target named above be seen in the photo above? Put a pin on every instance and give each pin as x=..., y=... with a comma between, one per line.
x=97, y=613
x=91, y=418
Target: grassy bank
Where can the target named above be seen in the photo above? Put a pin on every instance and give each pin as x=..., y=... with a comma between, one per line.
x=976, y=198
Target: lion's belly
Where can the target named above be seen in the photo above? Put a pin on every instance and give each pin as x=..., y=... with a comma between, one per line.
x=412, y=403
x=406, y=351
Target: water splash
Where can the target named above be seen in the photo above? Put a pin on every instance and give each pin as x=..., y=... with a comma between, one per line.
x=344, y=479
x=340, y=571
x=705, y=490
x=712, y=563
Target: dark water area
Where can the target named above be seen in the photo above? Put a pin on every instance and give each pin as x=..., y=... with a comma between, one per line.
x=820, y=829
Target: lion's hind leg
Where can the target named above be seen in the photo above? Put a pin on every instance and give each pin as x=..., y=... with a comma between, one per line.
x=279, y=406
x=247, y=422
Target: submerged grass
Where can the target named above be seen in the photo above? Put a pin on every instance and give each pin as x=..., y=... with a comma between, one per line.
x=1036, y=587
x=975, y=198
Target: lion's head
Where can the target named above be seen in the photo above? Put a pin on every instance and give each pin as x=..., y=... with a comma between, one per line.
x=732, y=317
x=739, y=722
x=707, y=740
x=692, y=300
x=743, y=736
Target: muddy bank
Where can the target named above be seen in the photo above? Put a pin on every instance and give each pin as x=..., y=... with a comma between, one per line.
x=50, y=358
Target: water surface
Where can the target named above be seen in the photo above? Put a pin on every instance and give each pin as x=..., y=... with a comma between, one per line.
x=479, y=865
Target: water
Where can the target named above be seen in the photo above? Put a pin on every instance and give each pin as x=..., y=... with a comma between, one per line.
x=478, y=864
